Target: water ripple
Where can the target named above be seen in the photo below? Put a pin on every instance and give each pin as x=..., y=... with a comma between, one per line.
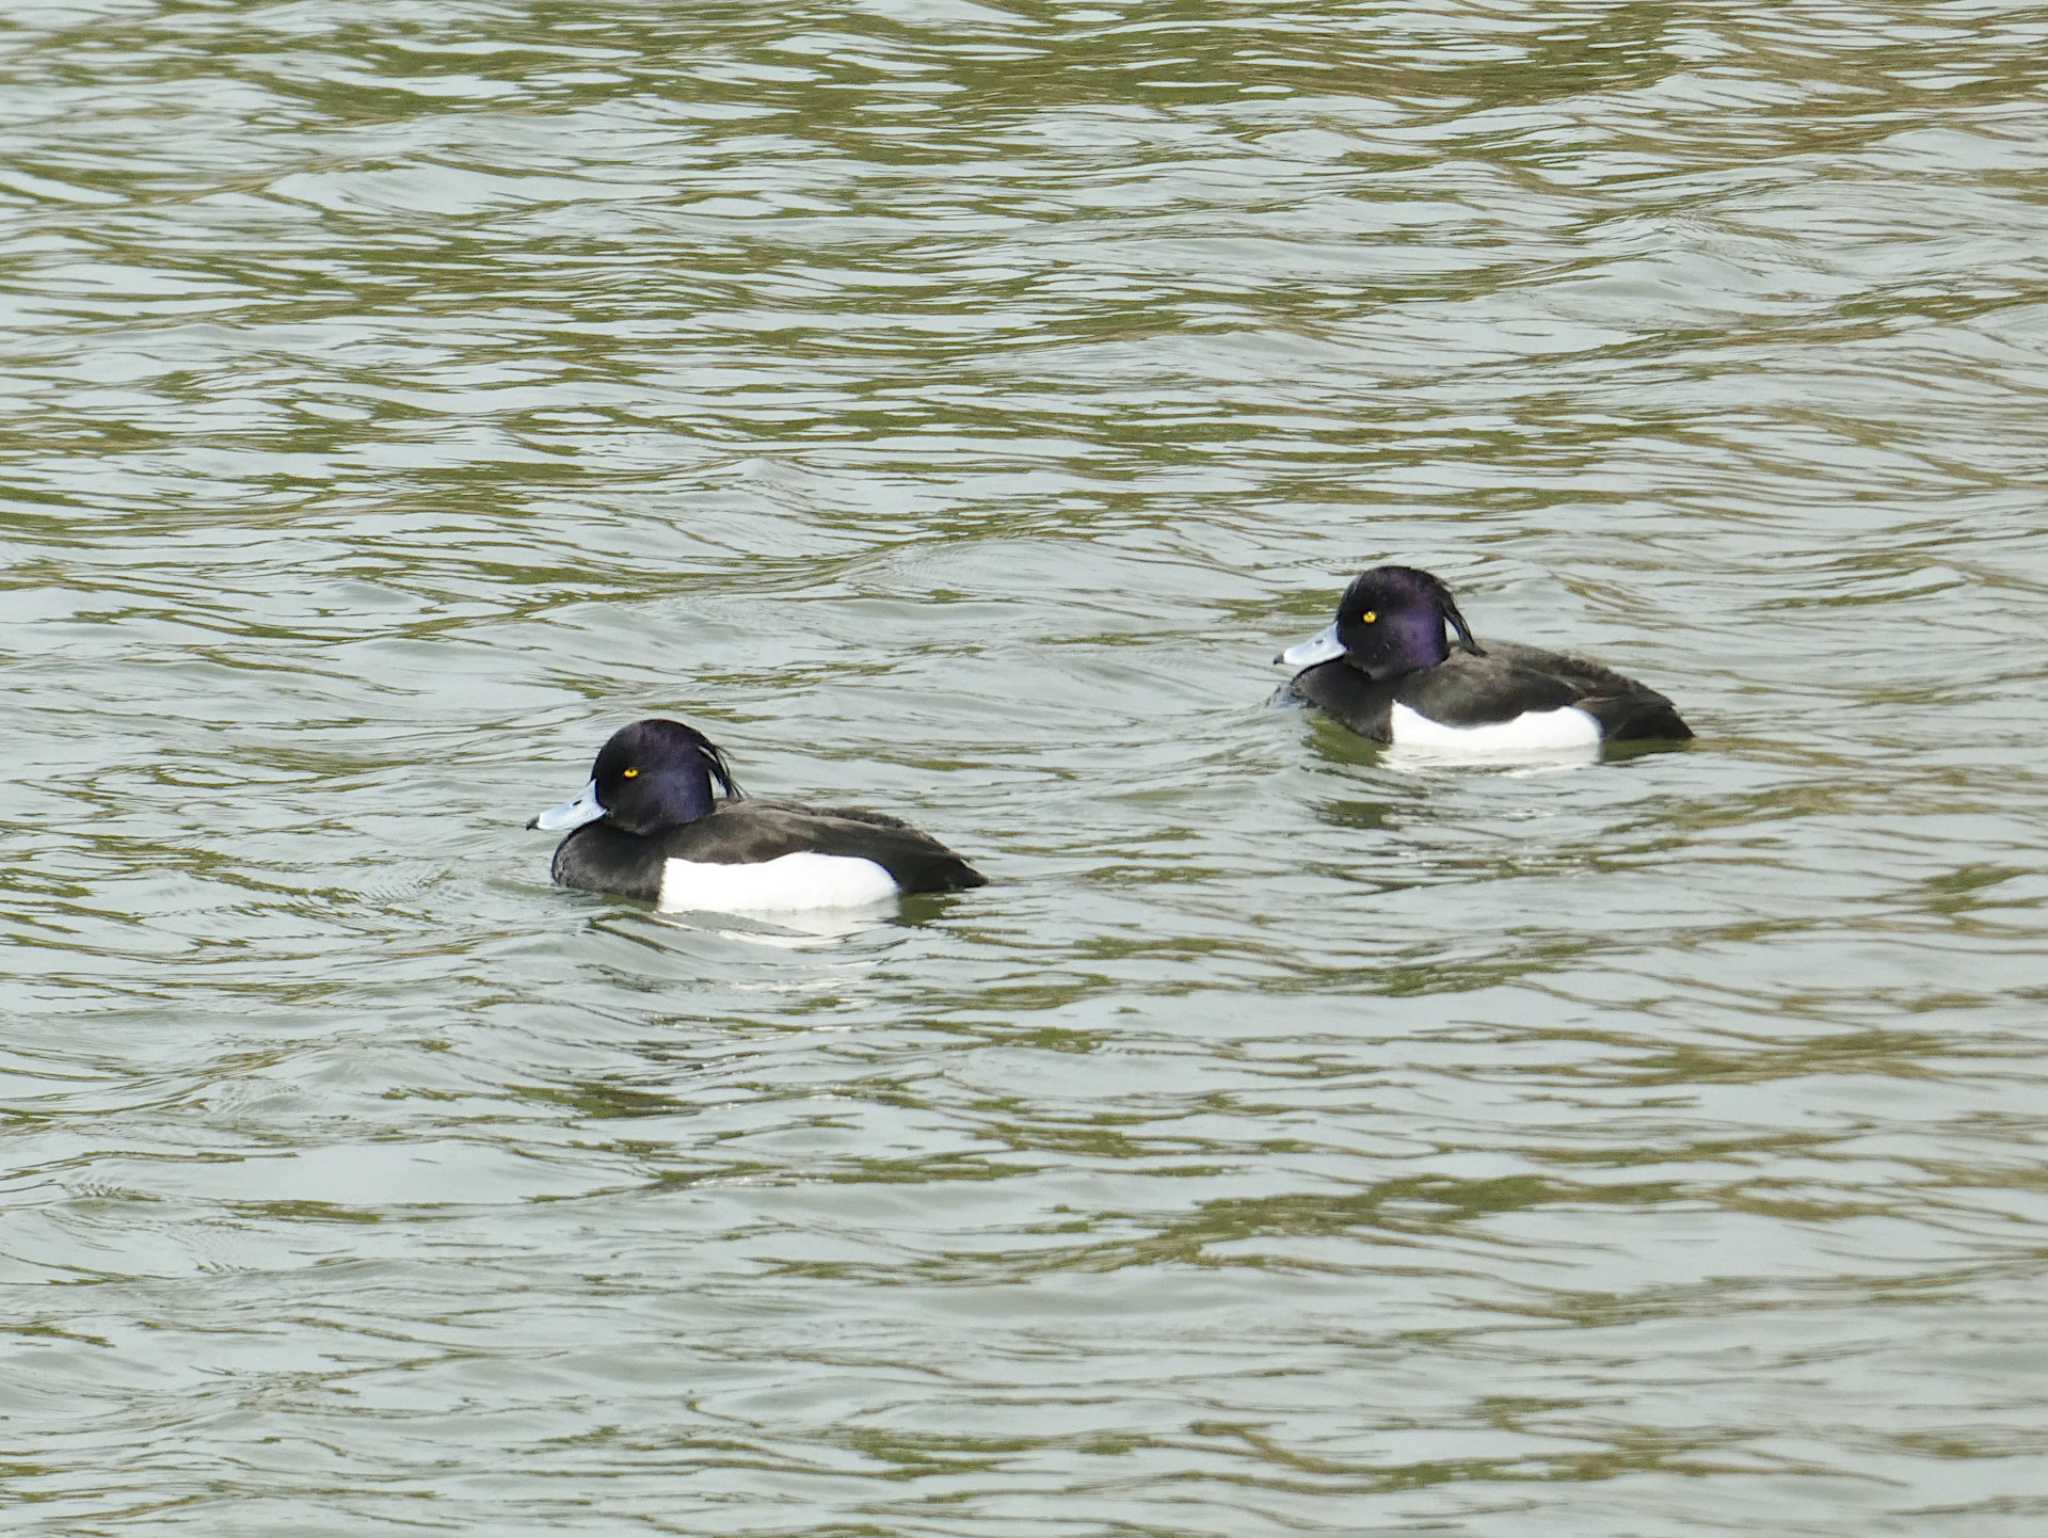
x=952, y=406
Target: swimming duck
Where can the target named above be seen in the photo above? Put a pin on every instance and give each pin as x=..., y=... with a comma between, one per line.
x=1386, y=670
x=646, y=826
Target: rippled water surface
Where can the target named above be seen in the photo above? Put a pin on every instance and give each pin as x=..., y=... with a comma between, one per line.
x=952, y=407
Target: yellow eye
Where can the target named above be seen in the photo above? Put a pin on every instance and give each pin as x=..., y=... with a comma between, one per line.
x=1370, y=616
x=630, y=774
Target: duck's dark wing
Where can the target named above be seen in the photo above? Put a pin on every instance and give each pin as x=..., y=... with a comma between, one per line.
x=1510, y=678
x=1364, y=706
x=1465, y=691
x=750, y=832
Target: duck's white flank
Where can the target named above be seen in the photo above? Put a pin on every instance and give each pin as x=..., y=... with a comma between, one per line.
x=1533, y=731
x=788, y=883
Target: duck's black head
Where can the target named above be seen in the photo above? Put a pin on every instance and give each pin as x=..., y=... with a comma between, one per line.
x=1390, y=621
x=652, y=775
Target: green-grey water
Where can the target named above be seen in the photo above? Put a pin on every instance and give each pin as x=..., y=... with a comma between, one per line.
x=951, y=407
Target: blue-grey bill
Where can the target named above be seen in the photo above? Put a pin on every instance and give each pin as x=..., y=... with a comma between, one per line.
x=1323, y=646
x=570, y=814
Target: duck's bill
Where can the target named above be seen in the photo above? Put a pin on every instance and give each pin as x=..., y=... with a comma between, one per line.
x=1320, y=647
x=570, y=814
